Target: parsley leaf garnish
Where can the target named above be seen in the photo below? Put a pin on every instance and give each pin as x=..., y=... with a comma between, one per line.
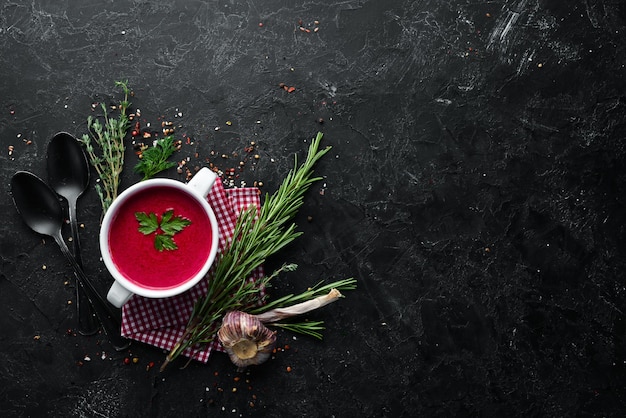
x=154, y=159
x=171, y=224
x=164, y=242
x=165, y=229
x=147, y=223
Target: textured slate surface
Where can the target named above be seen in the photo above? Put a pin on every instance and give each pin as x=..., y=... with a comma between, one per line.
x=475, y=189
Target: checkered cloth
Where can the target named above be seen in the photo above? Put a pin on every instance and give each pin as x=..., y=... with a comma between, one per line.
x=161, y=322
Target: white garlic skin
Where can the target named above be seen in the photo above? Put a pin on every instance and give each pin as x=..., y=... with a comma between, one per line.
x=245, y=339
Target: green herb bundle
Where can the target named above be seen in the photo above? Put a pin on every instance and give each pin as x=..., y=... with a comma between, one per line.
x=162, y=230
x=254, y=240
x=154, y=159
x=107, y=156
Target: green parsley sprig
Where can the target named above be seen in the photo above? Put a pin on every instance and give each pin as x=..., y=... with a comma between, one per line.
x=255, y=239
x=154, y=159
x=164, y=230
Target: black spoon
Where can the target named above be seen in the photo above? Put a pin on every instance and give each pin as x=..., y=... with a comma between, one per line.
x=68, y=175
x=41, y=210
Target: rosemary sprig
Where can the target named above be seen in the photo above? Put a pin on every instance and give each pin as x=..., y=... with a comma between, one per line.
x=311, y=328
x=254, y=240
x=311, y=293
x=108, y=160
x=154, y=159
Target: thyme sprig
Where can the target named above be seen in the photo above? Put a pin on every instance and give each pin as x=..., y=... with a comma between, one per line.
x=107, y=157
x=255, y=238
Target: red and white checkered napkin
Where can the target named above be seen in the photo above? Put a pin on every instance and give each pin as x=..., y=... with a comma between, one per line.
x=161, y=322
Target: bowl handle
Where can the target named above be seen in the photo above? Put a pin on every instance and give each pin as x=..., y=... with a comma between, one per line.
x=118, y=295
x=202, y=181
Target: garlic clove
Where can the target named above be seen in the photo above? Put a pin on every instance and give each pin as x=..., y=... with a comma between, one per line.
x=245, y=339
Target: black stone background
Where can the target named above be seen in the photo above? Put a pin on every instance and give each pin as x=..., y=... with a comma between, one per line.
x=475, y=189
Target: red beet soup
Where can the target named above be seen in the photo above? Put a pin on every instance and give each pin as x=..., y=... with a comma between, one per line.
x=134, y=253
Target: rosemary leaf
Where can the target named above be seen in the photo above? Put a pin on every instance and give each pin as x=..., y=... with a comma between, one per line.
x=307, y=328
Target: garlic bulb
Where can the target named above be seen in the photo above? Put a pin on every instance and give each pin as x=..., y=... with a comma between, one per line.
x=246, y=340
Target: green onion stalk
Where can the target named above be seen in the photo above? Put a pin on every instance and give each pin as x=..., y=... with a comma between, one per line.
x=254, y=240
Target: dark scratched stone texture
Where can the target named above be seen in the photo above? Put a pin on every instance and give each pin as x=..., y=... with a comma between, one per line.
x=475, y=189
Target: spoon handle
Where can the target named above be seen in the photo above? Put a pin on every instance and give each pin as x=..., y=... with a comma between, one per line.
x=110, y=321
x=87, y=323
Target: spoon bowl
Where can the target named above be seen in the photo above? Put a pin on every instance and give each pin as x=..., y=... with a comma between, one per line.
x=68, y=168
x=42, y=212
x=36, y=203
